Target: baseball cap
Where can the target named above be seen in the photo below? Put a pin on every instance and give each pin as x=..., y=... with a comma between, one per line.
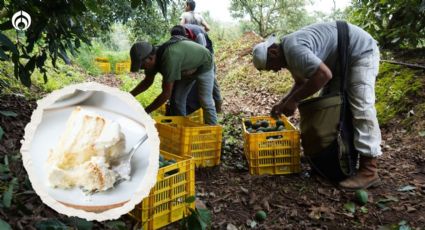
x=138, y=52
x=259, y=52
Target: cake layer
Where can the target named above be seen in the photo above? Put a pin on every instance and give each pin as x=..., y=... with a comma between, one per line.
x=85, y=151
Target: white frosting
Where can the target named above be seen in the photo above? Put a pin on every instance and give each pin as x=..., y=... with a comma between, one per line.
x=85, y=151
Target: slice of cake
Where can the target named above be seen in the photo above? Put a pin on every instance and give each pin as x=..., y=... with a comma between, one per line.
x=85, y=151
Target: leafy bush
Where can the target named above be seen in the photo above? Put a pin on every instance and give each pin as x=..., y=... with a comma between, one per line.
x=394, y=86
x=86, y=58
x=57, y=79
x=395, y=24
x=8, y=83
x=129, y=82
x=62, y=26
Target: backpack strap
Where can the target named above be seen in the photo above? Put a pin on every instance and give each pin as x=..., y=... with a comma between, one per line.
x=344, y=60
x=190, y=34
x=345, y=132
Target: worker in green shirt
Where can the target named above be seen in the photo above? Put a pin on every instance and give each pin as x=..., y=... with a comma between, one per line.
x=181, y=62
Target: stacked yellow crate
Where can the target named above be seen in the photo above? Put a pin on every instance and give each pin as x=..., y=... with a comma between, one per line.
x=166, y=202
x=275, y=152
x=179, y=135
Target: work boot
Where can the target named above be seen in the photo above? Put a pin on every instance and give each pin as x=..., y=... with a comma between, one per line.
x=218, y=106
x=366, y=176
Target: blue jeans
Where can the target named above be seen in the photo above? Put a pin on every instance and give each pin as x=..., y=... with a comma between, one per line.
x=193, y=103
x=181, y=90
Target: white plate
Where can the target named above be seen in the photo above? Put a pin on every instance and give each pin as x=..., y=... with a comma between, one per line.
x=71, y=99
x=47, y=136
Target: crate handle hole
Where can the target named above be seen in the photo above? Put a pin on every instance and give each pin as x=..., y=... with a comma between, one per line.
x=274, y=137
x=204, y=131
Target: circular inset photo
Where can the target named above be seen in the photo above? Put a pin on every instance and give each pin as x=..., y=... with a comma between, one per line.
x=91, y=151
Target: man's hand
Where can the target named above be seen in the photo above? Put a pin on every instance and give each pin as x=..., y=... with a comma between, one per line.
x=286, y=107
x=289, y=107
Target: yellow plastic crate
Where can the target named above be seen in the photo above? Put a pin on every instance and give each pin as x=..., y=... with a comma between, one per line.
x=105, y=67
x=197, y=116
x=122, y=67
x=275, y=152
x=181, y=136
x=101, y=59
x=167, y=200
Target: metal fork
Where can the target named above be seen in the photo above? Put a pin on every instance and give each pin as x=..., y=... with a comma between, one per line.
x=124, y=167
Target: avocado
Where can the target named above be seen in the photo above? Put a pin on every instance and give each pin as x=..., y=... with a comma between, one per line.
x=260, y=215
x=361, y=196
x=248, y=123
x=161, y=164
x=264, y=124
x=255, y=126
x=271, y=129
x=279, y=123
x=261, y=129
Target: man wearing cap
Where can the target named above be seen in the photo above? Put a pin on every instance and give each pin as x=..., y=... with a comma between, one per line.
x=197, y=34
x=180, y=64
x=310, y=54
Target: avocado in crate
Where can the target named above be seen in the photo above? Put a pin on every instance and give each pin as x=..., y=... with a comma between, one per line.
x=179, y=135
x=262, y=126
x=271, y=146
x=166, y=202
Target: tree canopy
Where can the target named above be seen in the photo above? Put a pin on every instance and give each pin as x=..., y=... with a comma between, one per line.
x=395, y=24
x=60, y=26
x=271, y=16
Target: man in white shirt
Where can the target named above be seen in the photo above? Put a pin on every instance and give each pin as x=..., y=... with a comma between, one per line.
x=190, y=17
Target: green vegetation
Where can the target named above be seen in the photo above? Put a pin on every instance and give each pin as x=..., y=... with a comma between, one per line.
x=271, y=16
x=61, y=27
x=62, y=76
x=395, y=24
x=88, y=54
x=9, y=84
x=394, y=87
x=86, y=58
x=58, y=77
x=129, y=82
x=272, y=82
